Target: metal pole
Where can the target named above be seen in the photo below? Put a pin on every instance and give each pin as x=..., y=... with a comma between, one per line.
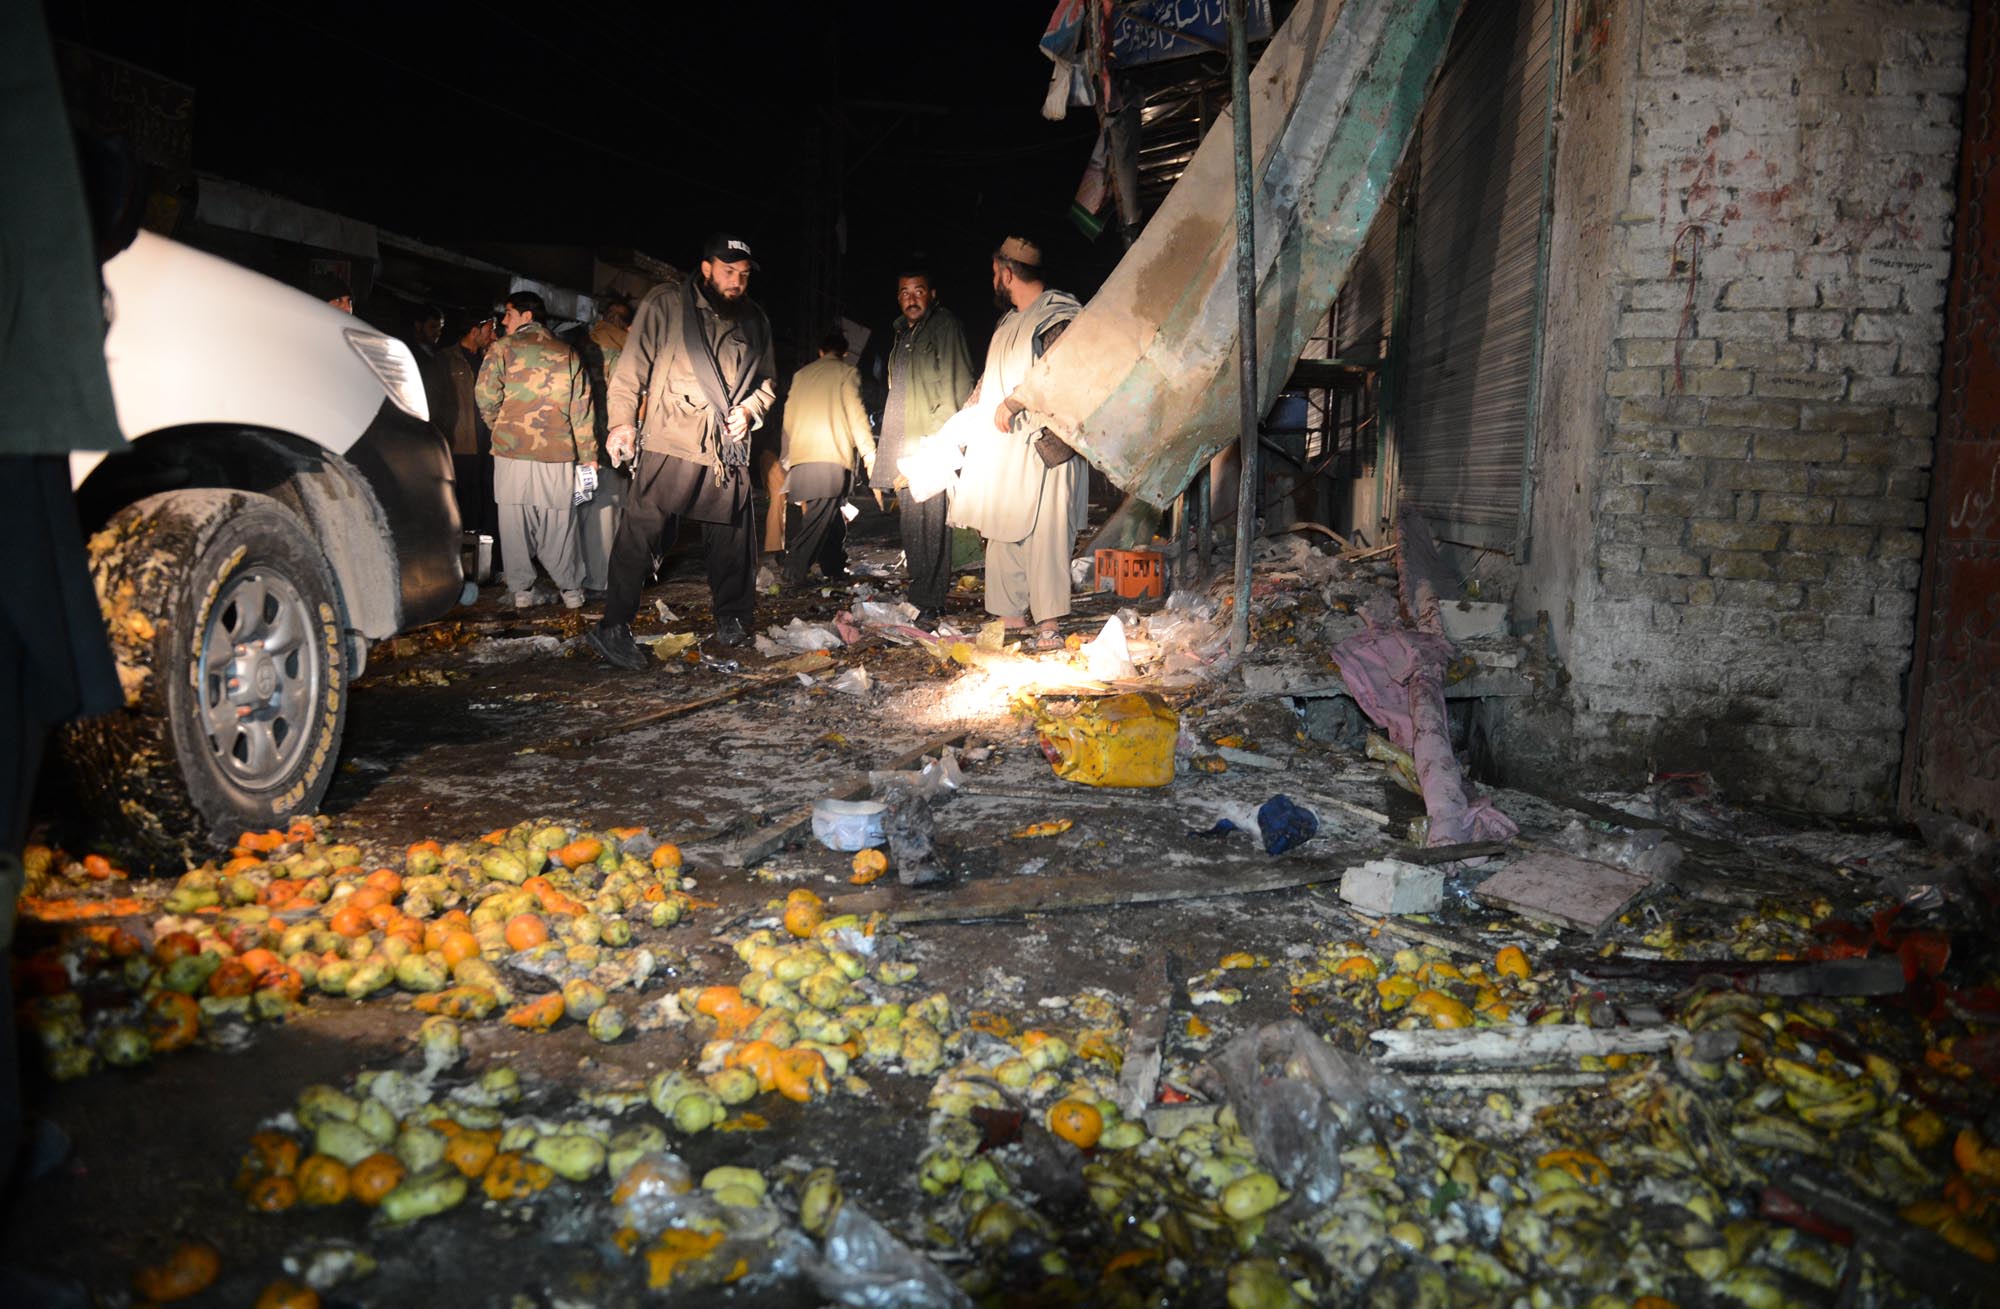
x=1184, y=539
x=1246, y=322
x=1204, y=549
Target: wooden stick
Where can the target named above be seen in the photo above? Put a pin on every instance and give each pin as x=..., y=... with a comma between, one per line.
x=1360, y=811
x=1513, y=1079
x=989, y=900
x=1516, y=1047
x=1344, y=543
x=767, y=839
x=671, y=712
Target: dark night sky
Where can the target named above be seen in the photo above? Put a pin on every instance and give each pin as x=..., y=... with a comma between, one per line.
x=628, y=123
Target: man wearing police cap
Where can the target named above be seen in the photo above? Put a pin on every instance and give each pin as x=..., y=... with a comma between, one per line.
x=700, y=354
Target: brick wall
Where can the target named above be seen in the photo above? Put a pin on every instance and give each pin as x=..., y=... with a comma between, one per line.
x=1771, y=394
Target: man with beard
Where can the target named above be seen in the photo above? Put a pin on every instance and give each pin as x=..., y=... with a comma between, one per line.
x=700, y=351
x=930, y=374
x=1022, y=489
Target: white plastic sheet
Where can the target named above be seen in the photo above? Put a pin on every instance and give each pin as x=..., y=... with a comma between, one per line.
x=1108, y=657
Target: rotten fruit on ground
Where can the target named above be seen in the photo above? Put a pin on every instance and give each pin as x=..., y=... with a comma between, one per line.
x=424, y=1194
x=1076, y=1121
x=284, y=1293
x=191, y=1269
x=372, y=1179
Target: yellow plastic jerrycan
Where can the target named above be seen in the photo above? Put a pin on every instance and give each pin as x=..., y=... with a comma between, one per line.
x=1120, y=740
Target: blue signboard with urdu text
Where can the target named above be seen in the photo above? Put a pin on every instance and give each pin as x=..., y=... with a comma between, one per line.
x=1148, y=31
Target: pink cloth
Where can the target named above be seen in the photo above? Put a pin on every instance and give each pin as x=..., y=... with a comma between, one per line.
x=1397, y=677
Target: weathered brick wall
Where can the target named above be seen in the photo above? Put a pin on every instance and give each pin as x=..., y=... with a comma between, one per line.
x=1771, y=395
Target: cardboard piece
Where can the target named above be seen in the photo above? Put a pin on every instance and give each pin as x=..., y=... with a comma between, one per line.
x=1563, y=889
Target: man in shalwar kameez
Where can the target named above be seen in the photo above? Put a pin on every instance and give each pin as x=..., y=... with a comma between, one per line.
x=1028, y=508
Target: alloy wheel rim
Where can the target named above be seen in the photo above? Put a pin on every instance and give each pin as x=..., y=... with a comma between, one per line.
x=259, y=678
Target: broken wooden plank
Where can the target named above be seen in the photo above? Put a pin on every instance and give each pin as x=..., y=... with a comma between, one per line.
x=1139, y=1076
x=766, y=839
x=1563, y=889
x=1506, y=1078
x=1877, y=975
x=1403, y=928
x=1516, y=1047
x=1012, y=899
x=1447, y=854
x=1922, y=1260
x=1071, y=798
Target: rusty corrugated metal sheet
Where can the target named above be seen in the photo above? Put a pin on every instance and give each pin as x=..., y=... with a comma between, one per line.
x=1952, y=761
x=1473, y=293
x=1144, y=382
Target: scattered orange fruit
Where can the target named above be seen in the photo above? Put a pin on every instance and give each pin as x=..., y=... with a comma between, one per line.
x=1076, y=1121
x=374, y=1177
x=526, y=931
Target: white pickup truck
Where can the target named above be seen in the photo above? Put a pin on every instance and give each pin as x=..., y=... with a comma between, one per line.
x=282, y=502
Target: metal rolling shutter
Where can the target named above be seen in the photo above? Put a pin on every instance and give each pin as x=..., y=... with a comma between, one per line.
x=1470, y=342
x=1362, y=316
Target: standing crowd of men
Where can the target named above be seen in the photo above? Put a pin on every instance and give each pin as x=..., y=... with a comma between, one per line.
x=587, y=458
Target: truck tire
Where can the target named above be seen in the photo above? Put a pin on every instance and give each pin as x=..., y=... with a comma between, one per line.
x=229, y=634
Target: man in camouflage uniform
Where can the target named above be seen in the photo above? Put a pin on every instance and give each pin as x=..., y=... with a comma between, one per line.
x=700, y=352
x=598, y=517
x=535, y=397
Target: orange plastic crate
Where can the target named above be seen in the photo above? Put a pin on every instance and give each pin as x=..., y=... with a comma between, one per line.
x=1132, y=574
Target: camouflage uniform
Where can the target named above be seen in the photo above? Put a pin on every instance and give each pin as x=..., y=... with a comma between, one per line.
x=533, y=393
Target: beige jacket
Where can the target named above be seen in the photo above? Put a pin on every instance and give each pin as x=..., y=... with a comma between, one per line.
x=824, y=420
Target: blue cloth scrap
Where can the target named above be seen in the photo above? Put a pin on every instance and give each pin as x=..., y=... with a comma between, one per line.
x=1223, y=827
x=1285, y=824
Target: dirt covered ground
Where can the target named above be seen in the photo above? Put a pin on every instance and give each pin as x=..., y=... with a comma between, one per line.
x=1606, y=1174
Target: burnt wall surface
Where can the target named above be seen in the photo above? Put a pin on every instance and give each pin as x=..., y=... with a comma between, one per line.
x=1769, y=401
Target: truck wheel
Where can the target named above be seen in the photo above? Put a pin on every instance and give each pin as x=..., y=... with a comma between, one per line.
x=228, y=631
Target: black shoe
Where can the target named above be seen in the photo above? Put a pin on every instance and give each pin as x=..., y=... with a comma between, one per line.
x=594, y=595
x=927, y=619
x=617, y=646
x=731, y=632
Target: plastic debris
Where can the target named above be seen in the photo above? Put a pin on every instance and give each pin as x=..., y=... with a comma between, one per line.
x=864, y=1267
x=1302, y=1103
x=1121, y=740
x=1108, y=658
x=673, y=643
x=802, y=637
x=848, y=825
x=1282, y=824
x=855, y=681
